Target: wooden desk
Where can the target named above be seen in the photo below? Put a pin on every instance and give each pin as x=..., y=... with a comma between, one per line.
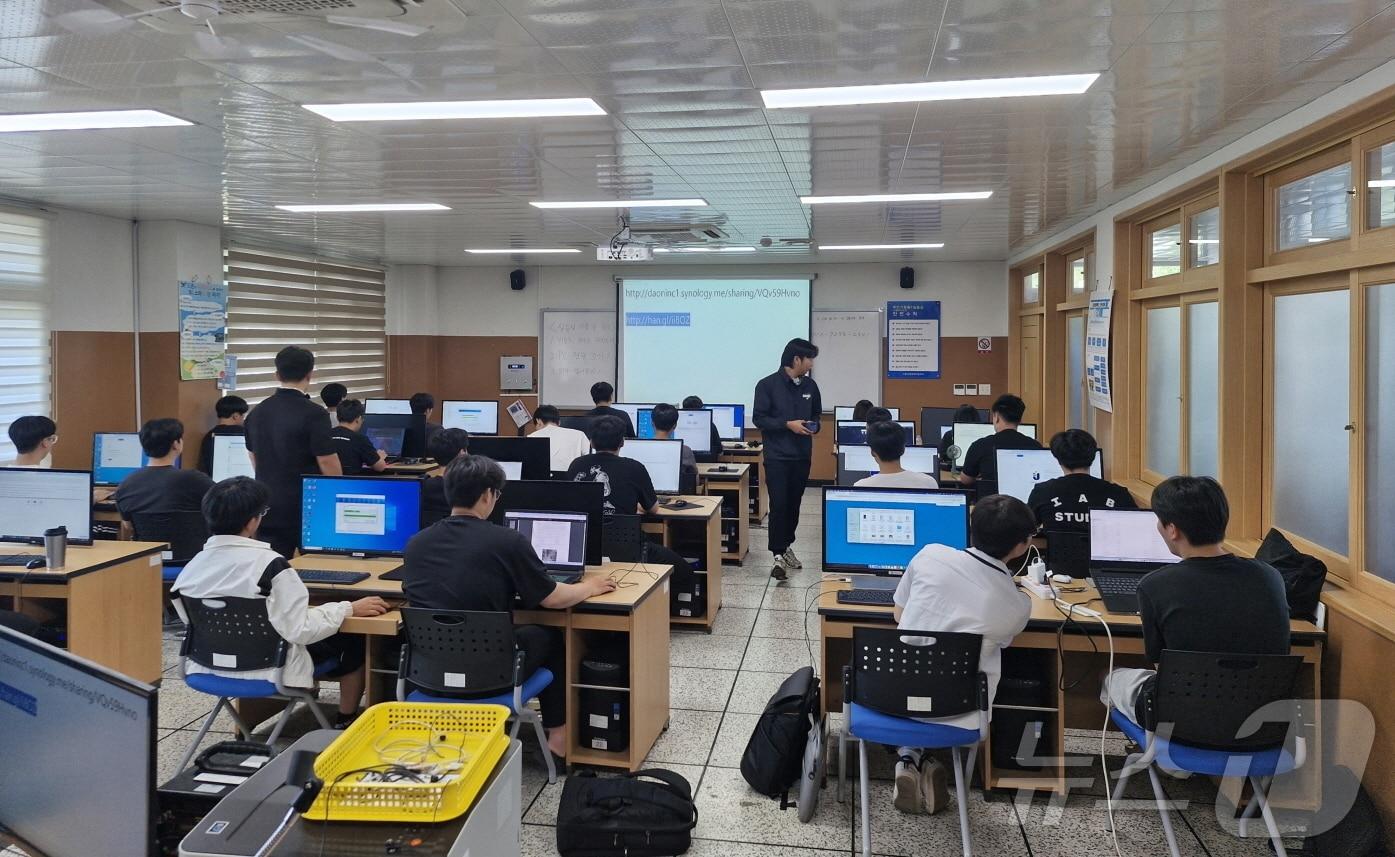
x=637, y=609
x=423, y=469
x=732, y=486
x=1083, y=662
x=695, y=531
x=736, y=452
x=110, y=594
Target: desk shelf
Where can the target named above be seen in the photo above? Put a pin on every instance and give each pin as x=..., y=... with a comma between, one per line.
x=758, y=501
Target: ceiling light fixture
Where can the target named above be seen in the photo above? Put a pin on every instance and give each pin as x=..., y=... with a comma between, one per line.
x=880, y=246
x=733, y=249
x=1381, y=183
x=897, y=197
x=623, y=203
x=402, y=111
x=511, y=250
x=938, y=90
x=87, y=120
x=364, y=206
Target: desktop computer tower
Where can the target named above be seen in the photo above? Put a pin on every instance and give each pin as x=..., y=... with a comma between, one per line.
x=604, y=720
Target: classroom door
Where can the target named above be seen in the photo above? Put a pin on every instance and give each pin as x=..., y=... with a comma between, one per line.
x=1030, y=364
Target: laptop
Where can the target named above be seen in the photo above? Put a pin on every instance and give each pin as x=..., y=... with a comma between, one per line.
x=1124, y=547
x=558, y=538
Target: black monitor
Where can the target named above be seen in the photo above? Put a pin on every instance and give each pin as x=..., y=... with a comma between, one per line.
x=413, y=426
x=535, y=495
x=932, y=419
x=534, y=453
x=855, y=433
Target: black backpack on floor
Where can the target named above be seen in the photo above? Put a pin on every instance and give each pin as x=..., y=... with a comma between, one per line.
x=648, y=813
x=774, y=756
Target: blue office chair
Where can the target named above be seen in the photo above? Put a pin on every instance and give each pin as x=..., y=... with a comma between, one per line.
x=896, y=676
x=232, y=635
x=184, y=532
x=1213, y=714
x=463, y=655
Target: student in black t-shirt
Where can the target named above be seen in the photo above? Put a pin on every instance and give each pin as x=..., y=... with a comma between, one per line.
x=963, y=414
x=693, y=403
x=665, y=422
x=1064, y=503
x=464, y=562
x=332, y=394
x=231, y=411
x=446, y=446
x=356, y=452
x=981, y=461
x=424, y=405
x=603, y=394
x=160, y=486
x=1211, y=601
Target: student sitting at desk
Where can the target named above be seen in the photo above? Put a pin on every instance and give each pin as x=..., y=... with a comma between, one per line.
x=1211, y=601
x=425, y=405
x=860, y=410
x=964, y=414
x=233, y=564
x=160, y=486
x=693, y=403
x=464, y=562
x=665, y=418
x=1064, y=503
x=877, y=414
x=887, y=442
x=603, y=394
x=446, y=446
x=967, y=591
x=564, y=445
x=332, y=394
x=231, y=411
x=33, y=438
x=356, y=453
x=981, y=460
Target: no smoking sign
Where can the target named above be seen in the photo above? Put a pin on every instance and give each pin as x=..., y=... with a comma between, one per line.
x=985, y=344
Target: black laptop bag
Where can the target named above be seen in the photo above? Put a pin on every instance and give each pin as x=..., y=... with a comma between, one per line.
x=648, y=813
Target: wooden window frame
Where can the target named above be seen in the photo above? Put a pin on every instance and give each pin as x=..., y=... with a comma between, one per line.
x=1285, y=175
x=1189, y=213
x=1157, y=224
x=1368, y=236
x=1084, y=415
x=1022, y=275
x=1086, y=256
x=1183, y=302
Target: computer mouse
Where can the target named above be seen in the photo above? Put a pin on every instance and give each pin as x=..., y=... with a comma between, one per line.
x=36, y=562
x=1060, y=578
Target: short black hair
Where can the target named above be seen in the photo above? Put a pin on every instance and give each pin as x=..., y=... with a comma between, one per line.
x=349, y=410
x=229, y=505
x=665, y=417
x=693, y=403
x=861, y=408
x=1010, y=408
x=601, y=391
x=26, y=433
x=332, y=394
x=294, y=363
x=230, y=406
x=877, y=415
x=1196, y=505
x=1074, y=448
x=999, y=523
x=798, y=348
x=547, y=414
x=966, y=414
x=157, y=436
x=607, y=434
x=887, y=440
x=420, y=403
x=469, y=476
x=446, y=445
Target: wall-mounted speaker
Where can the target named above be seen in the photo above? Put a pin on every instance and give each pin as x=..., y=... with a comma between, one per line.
x=517, y=280
x=908, y=278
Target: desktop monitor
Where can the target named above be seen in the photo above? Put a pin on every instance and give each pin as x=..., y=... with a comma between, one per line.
x=661, y=458
x=694, y=428
x=512, y=469
x=559, y=538
x=116, y=455
x=230, y=457
x=966, y=433
x=78, y=742
x=879, y=530
x=480, y=417
x=1127, y=539
x=359, y=515
x=32, y=501
x=855, y=433
x=633, y=409
x=845, y=412
x=387, y=406
x=413, y=427
x=386, y=438
x=536, y=495
x=532, y=454
x=1021, y=470
x=932, y=417
x=856, y=462
x=730, y=420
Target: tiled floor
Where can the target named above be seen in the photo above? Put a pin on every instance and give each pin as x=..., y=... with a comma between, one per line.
x=721, y=682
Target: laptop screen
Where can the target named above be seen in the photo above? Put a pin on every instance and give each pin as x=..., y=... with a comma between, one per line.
x=230, y=457
x=359, y=514
x=559, y=538
x=386, y=438
x=1129, y=536
x=881, y=529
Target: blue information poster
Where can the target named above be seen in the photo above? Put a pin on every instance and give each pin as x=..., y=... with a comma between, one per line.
x=913, y=340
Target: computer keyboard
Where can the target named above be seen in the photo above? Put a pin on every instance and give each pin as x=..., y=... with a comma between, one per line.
x=19, y=559
x=868, y=597
x=330, y=575
x=1123, y=584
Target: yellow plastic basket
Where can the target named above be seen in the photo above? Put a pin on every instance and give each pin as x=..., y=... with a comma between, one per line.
x=392, y=731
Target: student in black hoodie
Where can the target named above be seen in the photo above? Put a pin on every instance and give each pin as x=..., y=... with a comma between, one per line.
x=786, y=404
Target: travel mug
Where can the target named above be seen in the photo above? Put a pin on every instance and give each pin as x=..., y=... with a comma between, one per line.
x=56, y=547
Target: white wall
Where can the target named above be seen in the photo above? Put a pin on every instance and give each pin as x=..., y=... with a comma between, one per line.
x=90, y=272
x=170, y=251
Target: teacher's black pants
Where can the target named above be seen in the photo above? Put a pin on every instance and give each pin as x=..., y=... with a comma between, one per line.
x=785, y=481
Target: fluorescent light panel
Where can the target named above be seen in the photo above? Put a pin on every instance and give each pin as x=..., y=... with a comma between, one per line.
x=512, y=250
x=87, y=120
x=733, y=249
x=402, y=111
x=364, y=206
x=940, y=90
x=1381, y=183
x=880, y=246
x=623, y=203
x=897, y=197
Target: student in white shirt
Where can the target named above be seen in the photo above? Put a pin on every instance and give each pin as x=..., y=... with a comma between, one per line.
x=33, y=438
x=887, y=440
x=234, y=564
x=566, y=445
x=968, y=591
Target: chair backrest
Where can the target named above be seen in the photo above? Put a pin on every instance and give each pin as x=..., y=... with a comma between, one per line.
x=231, y=634
x=1205, y=698
x=184, y=531
x=1068, y=552
x=457, y=651
x=917, y=673
x=623, y=539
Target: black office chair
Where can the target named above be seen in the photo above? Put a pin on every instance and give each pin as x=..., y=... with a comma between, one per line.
x=1068, y=552
x=623, y=538
x=470, y=656
x=184, y=532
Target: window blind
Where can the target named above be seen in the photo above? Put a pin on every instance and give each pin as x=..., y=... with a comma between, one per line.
x=25, y=368
x=336, y=310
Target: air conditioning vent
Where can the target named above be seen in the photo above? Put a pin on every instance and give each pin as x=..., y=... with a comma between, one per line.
x=678, y=233
x=283, y=7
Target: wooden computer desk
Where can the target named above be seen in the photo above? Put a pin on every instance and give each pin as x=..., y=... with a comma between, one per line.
x=697, y=529
x=424, y=468
x=110, y=594
x=730, y=483
x=739, y=452
x=1083, y=661
x=638, y=608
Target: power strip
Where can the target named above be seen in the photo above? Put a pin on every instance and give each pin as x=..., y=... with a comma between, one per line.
x=1040, y=590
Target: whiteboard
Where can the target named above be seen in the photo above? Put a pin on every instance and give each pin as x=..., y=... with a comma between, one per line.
x=849, y=366
x=577, y=349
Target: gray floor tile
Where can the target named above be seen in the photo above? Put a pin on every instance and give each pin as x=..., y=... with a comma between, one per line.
x=694, y=689
x=731, y=740
x=791, y=596
x=537, y=841
x=769, y=654
x=734, y=621
x=688, y=740
x=993, y=827
x=729, y=811
x=749, y=597
x=180, y=705
x=1080, y=827
x=787, y=624
x=753, y=690
x=696, y=649
x=713, y=848
x=1221, y=837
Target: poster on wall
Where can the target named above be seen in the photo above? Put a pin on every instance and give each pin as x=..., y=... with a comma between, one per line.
x=913, y=339
x=203, y=319
x=1097, y=350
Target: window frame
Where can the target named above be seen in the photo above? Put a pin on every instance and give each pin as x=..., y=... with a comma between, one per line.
x=1189, y=213
x=1183, y=302
x=1358, y=573
x=1311, y=165
x=1157, y=224
x=1021, y=280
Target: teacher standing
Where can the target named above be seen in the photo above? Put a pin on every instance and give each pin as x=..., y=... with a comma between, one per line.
x=787, y=410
